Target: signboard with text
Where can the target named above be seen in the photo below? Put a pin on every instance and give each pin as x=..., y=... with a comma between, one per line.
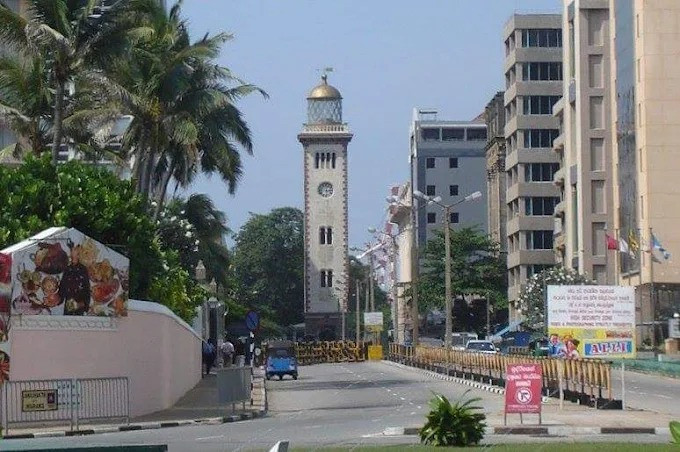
x=39, y=400
x=523, y=384
x=591, y=321
x=373, y=321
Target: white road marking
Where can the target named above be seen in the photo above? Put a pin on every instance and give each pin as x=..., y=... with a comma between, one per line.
x=402, y=398
x=205, y=438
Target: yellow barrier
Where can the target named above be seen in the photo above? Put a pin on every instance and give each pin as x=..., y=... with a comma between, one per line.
x=375, y=352
x=329, y=352
x=583, y=376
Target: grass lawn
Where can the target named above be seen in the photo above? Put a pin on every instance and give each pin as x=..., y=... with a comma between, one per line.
x=533, y=447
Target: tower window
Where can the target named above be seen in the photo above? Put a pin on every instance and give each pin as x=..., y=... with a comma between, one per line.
x=431, y=217
x=429, y=163
x=333, y=160
x=326, y=278
x=430, y=190
x=322, y=236
x=323, y=278
x=329, y=235
x=316, y=160
x=326, y=235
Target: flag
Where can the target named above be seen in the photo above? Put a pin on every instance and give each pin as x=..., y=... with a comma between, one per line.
x=633, y=241
x=623, y=246
x=659, y=253
x=612, y=244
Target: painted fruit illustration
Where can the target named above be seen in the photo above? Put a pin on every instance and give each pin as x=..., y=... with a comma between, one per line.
x=104, y=292
x=74, y=288
x=50, y=258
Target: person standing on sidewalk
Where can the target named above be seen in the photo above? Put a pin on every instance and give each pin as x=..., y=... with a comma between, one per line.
x=209, y=353
x=227, y=350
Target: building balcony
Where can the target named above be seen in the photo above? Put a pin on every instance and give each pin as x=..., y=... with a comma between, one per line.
x=558, y=143
x=529, y=223
x=531, y=257
x=558, y=178
x=559, y=209
x=325, y=128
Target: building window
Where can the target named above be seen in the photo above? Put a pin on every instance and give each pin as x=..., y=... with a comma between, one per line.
x=326, y=278
x=540, y=205
x=539, y=105
x=542, y=37
x=453, y=162
x=536, y=269
x=540, y=138
x=539, y=240
x=430, y=190
x=454, y=217
x=476, y=134
x=431, y=217
x=316, y=160
x=429, y=163
x=326, y=235
x=329, y=235
x=430, y=134
x=540, y=172
x=453, y=134
x=453, y=190
x=322, y=236
x=544, y=71
x=333, y=160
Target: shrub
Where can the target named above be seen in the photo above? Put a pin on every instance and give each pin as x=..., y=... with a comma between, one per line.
x=675, y=431
x=453, y=424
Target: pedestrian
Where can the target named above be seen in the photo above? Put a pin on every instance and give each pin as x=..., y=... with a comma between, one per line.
x=209, y=354
x=227, y=350
x=240, y=353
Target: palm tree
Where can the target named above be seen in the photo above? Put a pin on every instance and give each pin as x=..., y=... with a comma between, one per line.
x=185, y=120
x=71, y=39
x=25, y=102
x=209, y=226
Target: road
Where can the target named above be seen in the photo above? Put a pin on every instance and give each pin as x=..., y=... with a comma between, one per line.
x=330, y=404
x=648, y=392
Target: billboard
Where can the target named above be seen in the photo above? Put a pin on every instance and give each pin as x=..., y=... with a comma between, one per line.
x=373, y=321
x=591, y=321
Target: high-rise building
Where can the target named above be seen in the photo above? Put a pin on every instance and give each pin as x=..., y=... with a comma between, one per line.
x=533, y=75
x=494, y=115
x=447, y=159
x=645, y=102
x=584, y=143
x=324, y=139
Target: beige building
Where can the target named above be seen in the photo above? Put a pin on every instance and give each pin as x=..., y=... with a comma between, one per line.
x=494, y=115
x=584, y=144
x=645, y=44
x=533, y=75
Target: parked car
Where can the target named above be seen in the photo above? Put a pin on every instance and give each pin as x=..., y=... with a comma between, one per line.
x=480, y=346
x=281, y=360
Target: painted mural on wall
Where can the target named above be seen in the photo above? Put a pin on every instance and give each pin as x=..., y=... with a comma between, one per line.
x=5, y=303
x=69, y=274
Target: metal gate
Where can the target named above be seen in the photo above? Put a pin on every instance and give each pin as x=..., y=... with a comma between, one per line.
x=48, y=401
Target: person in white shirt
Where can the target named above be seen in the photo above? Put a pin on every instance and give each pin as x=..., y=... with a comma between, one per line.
x=227, y=350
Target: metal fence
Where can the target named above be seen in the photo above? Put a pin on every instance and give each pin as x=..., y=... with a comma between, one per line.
x=234, y=384
x=75, y=400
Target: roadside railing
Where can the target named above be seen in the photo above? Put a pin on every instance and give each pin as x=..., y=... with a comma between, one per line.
x=587, y=381
x=73, y=401
x=234, y=385
x=329, y=352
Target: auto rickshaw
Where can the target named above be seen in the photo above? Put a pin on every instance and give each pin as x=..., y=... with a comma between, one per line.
x=281, y=360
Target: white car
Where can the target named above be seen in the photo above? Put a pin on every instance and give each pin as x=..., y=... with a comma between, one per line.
x=479, y=346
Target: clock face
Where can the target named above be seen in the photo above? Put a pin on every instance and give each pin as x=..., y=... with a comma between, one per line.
x=326, y=189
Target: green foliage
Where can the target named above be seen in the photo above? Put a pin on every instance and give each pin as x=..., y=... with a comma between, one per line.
x=36, y=196
x=531, y=301
x=476, y=268
x=675, y=431
x=268, y=263
x=177, y=290
x=453, y=424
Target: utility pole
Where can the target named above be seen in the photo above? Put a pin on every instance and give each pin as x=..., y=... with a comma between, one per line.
x=399, y=339
x=488, y=314
x=358, y=314
x=414, y=277
x=447, y=276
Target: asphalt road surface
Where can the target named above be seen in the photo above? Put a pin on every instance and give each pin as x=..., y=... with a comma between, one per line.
x=648, y=392
x=330, y=404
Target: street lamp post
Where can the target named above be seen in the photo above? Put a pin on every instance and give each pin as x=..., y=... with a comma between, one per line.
x=395, y=304
x=447, y=249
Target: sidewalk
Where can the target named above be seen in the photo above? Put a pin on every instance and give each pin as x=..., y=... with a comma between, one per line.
x=198, y=406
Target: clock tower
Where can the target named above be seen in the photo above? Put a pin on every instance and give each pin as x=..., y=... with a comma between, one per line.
x=324, y=139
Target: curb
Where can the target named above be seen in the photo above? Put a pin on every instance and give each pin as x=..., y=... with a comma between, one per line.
x=143, y=426
x=560, y=430
x=471, y=383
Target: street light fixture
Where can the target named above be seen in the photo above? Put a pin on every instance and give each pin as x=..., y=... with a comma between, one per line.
x=447, y=246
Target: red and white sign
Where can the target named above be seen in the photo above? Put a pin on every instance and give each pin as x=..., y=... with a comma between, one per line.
x=523, y=384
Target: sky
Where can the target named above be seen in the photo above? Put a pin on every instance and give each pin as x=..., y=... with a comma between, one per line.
x=389, y=57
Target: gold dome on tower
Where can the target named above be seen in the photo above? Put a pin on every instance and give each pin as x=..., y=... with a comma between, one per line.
x=324, y=90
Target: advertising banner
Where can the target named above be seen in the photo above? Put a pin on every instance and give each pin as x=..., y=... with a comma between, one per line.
x=373, y=321
x=523, y=384
x=39, y=400
x=591, y=321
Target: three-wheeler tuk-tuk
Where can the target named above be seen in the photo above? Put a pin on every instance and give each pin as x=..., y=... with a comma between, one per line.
x=281, y=360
